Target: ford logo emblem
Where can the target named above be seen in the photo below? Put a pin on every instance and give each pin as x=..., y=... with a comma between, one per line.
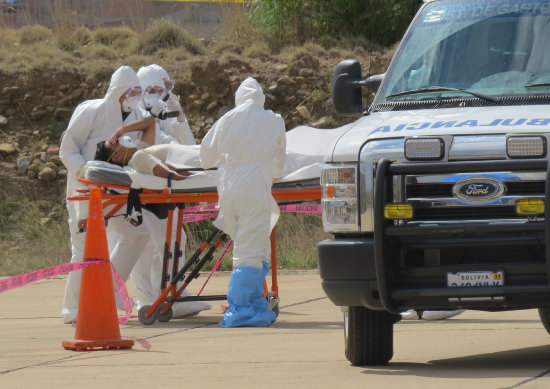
x=478, y=189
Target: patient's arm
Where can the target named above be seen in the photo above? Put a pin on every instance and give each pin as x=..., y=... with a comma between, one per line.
x=161, y=171
x=146, y=125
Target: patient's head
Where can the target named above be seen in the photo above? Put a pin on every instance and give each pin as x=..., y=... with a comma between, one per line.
x=115, y=154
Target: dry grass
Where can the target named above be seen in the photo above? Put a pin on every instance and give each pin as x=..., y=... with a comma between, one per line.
x=33, y=236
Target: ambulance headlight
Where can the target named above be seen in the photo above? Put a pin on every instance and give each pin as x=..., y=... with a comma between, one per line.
x=424, y=149
x=526, y=146
x=339, y=200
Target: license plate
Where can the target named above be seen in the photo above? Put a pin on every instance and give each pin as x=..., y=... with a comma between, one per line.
x=470, y=279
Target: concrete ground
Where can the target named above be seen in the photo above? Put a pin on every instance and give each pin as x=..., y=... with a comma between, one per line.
x=303, y=349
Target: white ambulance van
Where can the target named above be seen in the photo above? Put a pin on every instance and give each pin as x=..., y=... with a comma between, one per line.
x=436, y=196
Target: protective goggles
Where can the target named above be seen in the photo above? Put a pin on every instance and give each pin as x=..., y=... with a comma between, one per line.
x=169, y=84
x=155, y=90
x=133, y=92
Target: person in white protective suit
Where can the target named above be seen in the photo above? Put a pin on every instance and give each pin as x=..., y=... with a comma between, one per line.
x=247, y=145
x=146, y=275
x=91, y=122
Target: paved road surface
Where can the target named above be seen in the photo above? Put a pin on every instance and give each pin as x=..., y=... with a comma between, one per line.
x=303, y=349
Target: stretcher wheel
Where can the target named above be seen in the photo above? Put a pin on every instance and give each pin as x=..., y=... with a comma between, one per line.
x=276, y=309
x=163, y=318
x=273, y=304
x=146, y=320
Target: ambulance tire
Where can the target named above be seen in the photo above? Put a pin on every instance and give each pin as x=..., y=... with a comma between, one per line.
x=544, y=314
x=368, y=336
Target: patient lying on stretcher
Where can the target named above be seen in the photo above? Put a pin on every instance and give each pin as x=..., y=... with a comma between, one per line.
x=146, y=157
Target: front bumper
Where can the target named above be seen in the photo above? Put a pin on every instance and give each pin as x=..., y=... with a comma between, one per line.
x=404, y=279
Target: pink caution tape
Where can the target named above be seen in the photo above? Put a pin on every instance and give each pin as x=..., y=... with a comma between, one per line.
x=27, y=278
x=301, y=208
x=210, y=207
x=123, y=293
x=193, y=217
x=216, y=265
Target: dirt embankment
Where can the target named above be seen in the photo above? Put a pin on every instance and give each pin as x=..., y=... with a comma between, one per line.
x=35, y=108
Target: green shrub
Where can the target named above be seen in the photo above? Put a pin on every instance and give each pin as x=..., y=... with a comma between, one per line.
x=32, y=237
x=8, y=36
x=257, y=50
x=164, y=34
x=298, y=21
x=67, y=43
x=119, y=38
x=83, y=35
x=34, y=34
x=100, y=52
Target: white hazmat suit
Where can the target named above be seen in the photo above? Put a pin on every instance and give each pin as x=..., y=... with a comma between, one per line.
x=146, y=275
x=247, y=145
x=92, y=122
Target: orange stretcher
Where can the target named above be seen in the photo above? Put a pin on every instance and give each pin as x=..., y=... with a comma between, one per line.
x=170, y=292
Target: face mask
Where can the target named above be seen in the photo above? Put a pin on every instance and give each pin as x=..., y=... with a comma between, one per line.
x=126, y=141
x=130, y=103
x=151, y=100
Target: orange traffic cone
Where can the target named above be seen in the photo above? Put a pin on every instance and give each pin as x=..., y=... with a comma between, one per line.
x=97, y=321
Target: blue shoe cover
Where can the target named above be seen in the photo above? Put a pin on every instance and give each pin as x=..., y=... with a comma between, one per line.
x=247, y=307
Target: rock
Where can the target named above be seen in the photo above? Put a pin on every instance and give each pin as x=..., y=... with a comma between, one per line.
x=211, y=106
x=305, y=72
x=31, y=173
x=324, y=122
x=6, y=149
x=52, y=150
x=23, y=163
x=286, y=81
x=44, y=148
x=290, y=100
x=205, y=96
x=8, y=166
x=62, y=172
x=36, y=134
x=47, y=174
x=197, y=103
x=37, y=115
x=209, y=121
x=55, y=159
x=62, y=112
x=51, y=165
x=33, y=167
x=3, y=120
x=304, y=112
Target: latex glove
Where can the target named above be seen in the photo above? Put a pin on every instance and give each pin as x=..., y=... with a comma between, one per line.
x=156, y=110
x=173, y=104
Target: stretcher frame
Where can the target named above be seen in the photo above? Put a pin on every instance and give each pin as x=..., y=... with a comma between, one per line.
x=169, y=294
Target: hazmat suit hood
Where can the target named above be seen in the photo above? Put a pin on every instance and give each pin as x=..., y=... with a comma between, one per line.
x=151, y=75
x=250, y=90
x=122, y=79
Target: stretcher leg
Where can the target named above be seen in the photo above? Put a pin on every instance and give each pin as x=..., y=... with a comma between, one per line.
x=161, y=309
